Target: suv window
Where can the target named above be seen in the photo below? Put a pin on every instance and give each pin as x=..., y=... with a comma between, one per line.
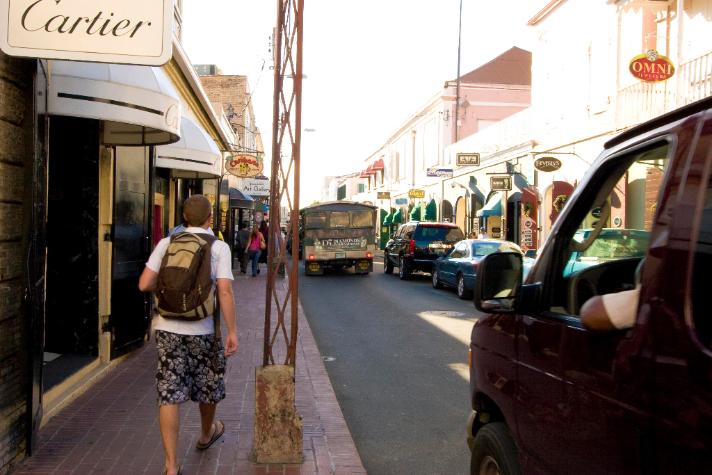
x=700, y=268
x=439, y=233
x=616, y=227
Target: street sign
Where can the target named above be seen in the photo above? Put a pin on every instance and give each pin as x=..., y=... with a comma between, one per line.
x=383, y=195
x=107, y=31
x=416, y=193
x=401, y=201
x=439, y=172
x=501, y=183
x=244, y=165
x=468, y=159
x=547, y=164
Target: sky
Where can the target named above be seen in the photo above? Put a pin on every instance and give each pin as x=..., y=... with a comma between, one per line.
x=368, y=65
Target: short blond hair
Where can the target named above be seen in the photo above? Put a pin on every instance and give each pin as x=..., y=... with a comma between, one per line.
x=196, y=210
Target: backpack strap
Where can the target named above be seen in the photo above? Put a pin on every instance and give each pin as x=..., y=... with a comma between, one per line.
x=216, y=311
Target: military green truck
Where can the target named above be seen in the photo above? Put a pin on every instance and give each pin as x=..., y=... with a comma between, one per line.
x=338, y=235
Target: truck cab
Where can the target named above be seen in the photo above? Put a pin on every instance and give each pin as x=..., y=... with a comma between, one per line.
x=549, y=395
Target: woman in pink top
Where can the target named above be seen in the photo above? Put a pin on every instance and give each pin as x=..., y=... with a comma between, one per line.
x=255, y=245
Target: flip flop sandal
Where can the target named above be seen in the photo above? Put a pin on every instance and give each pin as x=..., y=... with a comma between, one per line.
x=216, y=435
x=180, y=471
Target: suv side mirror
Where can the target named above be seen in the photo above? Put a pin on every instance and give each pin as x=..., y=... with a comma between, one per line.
x=498, y=282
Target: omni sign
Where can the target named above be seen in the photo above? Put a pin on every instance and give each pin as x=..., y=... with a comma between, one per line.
x=111, y=31
x=651, y=67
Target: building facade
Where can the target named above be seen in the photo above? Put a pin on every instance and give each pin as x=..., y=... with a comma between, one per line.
x=414, y=158
x=583, y=93
x=95, y=162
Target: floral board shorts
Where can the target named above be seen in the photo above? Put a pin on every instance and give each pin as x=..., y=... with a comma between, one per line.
x=189, y=368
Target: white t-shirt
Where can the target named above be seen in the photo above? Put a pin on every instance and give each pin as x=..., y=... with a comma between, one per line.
x=221, y=268
x=621, y=307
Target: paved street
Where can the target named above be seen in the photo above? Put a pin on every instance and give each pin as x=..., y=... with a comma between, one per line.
x=399, y=367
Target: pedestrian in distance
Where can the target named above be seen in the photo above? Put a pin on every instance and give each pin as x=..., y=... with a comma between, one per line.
x=264, y=229
x=241, y=239
x=187, y=271
x=254, y=248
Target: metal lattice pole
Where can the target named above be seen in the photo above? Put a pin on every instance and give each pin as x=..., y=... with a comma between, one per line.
x=284, y=182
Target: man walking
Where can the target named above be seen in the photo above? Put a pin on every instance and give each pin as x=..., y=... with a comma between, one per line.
x=241, y=240
x=191, y=359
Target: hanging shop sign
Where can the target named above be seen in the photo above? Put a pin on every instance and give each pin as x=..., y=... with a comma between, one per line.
x=244, y=165
x=107, y=31
x=547, y=164
x=414, y=193
x=501, y=183
x=255, y=187
x=467, y=159
x=439, y=172
x=651, y=67
x=383, y=195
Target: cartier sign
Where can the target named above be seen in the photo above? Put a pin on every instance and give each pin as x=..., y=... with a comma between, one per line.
x=110, y=31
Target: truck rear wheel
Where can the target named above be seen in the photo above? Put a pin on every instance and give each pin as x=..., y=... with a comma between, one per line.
x=387, y=265
x=494, y=451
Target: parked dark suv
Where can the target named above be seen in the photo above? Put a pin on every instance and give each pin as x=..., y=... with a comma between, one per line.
x=416, y=245
x=550, y=395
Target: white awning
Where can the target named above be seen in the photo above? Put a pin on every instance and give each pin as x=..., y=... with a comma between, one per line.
x=195, y=155
x=138, y=104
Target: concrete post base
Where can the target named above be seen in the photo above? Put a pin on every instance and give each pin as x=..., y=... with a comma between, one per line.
x=278, y=427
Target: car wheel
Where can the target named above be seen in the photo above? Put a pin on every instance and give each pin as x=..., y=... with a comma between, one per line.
x=494, y=451
x=462, y=292
x=387, y=265
x=403, y=271
x=436, y=279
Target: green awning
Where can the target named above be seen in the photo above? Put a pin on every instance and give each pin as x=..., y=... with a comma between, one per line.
x=397, y=216
x=387, y=219
x=415, y=213
x=431, y=211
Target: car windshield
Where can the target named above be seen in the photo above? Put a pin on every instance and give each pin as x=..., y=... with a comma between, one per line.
x=438, y=233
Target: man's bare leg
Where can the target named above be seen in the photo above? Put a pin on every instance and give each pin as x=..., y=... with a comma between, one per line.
x=207, y=416
x=169, y=421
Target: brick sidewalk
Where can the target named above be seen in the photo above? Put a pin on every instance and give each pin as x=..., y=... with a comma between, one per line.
x=113, y=427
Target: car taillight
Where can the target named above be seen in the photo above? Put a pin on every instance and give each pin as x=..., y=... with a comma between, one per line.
x=312, y=257
x=411, y=247
x=369, y=255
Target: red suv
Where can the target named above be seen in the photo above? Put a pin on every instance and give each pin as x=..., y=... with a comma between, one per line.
x=551, y=396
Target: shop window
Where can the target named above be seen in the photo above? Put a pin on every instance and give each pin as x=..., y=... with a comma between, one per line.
x=361, y=187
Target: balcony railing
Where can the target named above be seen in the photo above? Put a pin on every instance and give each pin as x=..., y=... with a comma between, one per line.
x=643, y=101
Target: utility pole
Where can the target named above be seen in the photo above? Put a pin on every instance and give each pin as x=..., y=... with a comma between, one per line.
x=278, y=426
x=457, y=81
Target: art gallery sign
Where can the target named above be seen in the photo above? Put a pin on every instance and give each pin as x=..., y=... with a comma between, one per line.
x=255, y=187
x=108, y=31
